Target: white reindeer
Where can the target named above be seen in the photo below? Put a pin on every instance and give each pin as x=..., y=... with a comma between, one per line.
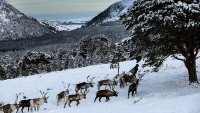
x=110, y=83
x=37, y=102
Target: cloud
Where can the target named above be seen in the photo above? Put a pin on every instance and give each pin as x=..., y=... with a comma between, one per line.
x=32, y=3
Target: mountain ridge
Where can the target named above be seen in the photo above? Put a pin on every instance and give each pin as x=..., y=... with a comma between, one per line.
x=17, y=25
x=112, y=13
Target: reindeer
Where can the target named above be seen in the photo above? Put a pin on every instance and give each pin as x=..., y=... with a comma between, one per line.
x=75, y=97
x=125, y=79
x=108, y=82
x=37, y=102
x=9, y=108
x=133, y=88
x=23, y=104
x=62, y=94
x=105, y=93
x=84, y=85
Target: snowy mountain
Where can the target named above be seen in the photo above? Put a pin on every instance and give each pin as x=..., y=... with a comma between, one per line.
x=66, y=25
x=112, y=13
x=16, y=25
x=166, y=91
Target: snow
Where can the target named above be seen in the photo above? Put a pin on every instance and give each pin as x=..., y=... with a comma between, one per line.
x=67, y=25
x=3, y=17
x=166, y=91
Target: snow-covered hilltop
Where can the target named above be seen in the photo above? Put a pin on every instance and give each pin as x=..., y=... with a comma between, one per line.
x=16, y=25
x=66, y=25
x=112, y=13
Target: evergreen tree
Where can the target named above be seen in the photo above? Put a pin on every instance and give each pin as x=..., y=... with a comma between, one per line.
x=163, y=28
x=2, y=73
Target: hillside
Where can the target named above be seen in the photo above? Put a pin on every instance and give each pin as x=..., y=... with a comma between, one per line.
x=113, y=30
x=166, y=91
x=112, y=13
x=17, y=25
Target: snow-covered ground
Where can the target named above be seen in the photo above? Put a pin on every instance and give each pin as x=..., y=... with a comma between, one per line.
x=167, y=91
x=67, y=25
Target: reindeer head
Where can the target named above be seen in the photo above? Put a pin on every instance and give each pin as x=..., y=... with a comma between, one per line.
x=67, y=90
x=44, y=96
x=45, y=99
x=2, y=104
x=115, y=93
x=91, y=80
x=85, y=93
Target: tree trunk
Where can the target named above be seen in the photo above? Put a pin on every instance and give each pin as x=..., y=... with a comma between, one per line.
x=190, y=64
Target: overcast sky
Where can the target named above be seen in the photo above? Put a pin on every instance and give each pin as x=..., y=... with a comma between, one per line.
x=61, y=9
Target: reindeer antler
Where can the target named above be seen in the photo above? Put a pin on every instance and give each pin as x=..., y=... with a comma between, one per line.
x=92, y=79
x=68, y=87
x=43, y=93
x=88, y=77
x=17, y=96
x=63, y=84
x=2, y=103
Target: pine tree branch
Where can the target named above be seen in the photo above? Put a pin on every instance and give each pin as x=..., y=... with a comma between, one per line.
x=177, y=57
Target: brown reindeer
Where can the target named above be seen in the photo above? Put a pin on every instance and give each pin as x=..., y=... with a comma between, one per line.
x=84, y=85
x=133, y=88
x=126, y=79
x=75, y=97
x=9, y=108
x=105, y=93
x=62, y=95
x=37, y=102
x=23, y=104
x=110, y=83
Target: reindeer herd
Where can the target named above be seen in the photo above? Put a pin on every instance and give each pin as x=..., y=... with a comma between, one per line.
x=81, y=89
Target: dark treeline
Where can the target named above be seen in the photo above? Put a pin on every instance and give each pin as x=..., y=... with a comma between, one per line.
x=90, y=50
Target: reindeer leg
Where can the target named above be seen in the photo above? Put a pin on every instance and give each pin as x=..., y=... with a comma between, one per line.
x=107, y=98
x=37, y=108
x=65, y=104
x=132, y=93
x=31, y=108
x=95, y=98
x=109, y=86
x=76, y=102
x=57, y=102
x=100, y=99
x=21, y=109
x=17, y=110
x=128, y=94
x=69, y=103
